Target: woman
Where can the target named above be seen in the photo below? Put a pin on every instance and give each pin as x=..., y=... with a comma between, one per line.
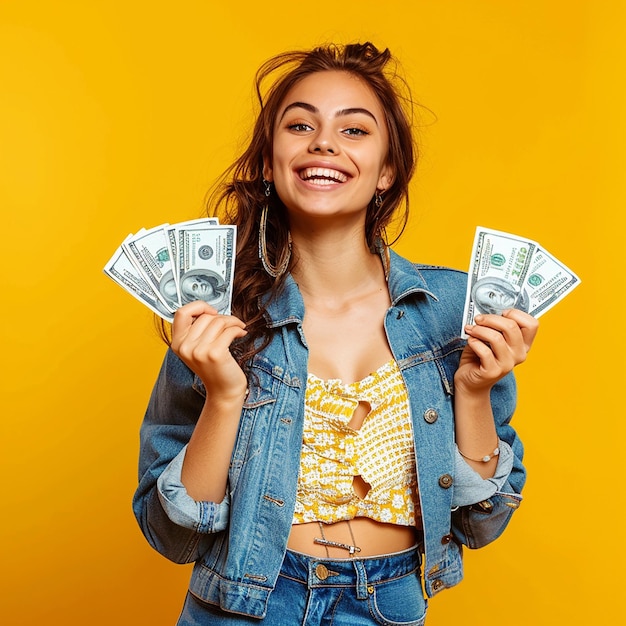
x=307, y=450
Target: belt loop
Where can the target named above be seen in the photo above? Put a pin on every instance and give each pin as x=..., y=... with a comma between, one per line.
x=361, y=579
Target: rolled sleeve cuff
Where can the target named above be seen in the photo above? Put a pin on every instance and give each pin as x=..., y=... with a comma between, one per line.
x=470, y=487
x=182, y=509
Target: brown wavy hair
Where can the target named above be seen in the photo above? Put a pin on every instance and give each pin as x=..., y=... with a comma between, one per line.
x=240, y=193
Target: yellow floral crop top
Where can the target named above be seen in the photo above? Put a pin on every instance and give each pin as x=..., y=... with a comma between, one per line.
x=381, y=452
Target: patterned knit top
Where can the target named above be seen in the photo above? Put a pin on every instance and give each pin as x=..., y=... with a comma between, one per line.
x=381, y=452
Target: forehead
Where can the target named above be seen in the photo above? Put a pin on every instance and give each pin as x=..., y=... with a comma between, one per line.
x=332, y=91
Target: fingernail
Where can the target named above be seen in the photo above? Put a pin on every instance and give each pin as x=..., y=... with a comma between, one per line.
x=479, y=318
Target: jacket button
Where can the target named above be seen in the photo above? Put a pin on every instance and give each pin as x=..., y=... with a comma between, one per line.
x=437, y=584
x=431, y=416
x=445, y=481
x=446, y=539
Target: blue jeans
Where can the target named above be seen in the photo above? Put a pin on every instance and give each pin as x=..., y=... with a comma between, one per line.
x=310, y=591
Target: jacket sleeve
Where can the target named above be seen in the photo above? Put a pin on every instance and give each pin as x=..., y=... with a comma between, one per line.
x=470, y=487
x=479, y=520
x=172, y=522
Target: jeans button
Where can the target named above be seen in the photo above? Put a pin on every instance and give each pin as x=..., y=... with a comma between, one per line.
x=321, y=571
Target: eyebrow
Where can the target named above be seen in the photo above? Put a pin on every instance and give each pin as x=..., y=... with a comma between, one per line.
x=312, y=109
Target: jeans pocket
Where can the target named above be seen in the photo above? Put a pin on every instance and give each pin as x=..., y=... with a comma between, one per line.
x=398, y=602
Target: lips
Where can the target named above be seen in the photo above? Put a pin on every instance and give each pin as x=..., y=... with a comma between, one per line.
x=322, y=175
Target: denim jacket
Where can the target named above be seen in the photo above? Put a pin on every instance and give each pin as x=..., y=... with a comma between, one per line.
x=238, y=544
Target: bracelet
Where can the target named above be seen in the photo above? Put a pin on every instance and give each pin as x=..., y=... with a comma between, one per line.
x=484, y=459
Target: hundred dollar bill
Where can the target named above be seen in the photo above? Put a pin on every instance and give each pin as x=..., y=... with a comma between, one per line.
x=124, y=272
x=172, y=242
x=548, y=282
x=205, y=264
x=149, y=251
x=507, y=271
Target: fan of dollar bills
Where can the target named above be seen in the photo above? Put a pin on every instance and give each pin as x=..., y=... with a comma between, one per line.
x=510, y=272
x=173, y=264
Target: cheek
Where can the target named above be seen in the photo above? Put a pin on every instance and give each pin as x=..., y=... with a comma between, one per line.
x=279, y=157
x=279, y=173
x=281, y=181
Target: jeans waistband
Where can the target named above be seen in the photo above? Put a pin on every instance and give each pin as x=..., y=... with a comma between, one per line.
x=359, y=573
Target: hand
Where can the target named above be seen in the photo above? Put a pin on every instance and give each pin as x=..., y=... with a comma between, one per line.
x=201, y=338
x=496, y=344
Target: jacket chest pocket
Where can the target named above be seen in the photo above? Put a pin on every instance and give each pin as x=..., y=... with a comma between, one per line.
x=434, y=366
x=269, y=404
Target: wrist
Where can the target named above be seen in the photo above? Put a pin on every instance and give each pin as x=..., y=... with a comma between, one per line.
x=472, y=381
x=473, y=410
x=226, y=400
x=484, y=458
x=470, y=395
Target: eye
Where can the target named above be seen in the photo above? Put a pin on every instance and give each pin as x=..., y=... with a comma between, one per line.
x=299, y=127
x=355, y=131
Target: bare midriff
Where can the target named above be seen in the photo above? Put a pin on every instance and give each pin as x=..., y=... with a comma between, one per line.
x=372, y=537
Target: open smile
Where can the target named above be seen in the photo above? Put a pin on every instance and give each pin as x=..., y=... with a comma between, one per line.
x=322, y=176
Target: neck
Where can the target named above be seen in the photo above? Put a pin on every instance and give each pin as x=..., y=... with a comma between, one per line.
x=336, y=267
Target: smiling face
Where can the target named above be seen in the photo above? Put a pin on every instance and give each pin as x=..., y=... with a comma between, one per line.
x=330, y=147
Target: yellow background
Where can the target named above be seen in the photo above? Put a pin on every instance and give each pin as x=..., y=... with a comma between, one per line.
x=116, y=115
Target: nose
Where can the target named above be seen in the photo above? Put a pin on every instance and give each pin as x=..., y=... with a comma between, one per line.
x=321, y=144
x=323, y=148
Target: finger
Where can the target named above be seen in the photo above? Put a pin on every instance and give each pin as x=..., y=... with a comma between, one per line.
x=492, y=350
x=186, y=315
x=214, y=349
x=209, y=338
x=505, y=336
x=211, y=325
x=501, y=332
x=483, y=352
x=512, y=327
x=183, y=339
x=192, y=319
x=527, y=323
x=487, y=369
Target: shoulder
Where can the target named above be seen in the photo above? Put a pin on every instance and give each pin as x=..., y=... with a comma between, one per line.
x=436, y=274
x=438, y=281
x=444, y=282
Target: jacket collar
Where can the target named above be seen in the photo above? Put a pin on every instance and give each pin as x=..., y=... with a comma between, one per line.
x=405, y=278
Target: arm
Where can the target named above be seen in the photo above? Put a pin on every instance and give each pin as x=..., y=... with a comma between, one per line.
x=201, y=338
x=495, y=346
x=180, y=410
x=484, y=402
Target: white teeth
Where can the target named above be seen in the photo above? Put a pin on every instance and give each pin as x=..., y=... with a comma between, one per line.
x=322, y=175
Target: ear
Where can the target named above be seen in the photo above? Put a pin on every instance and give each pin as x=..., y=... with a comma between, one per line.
x=268, y=172
x=386, y=178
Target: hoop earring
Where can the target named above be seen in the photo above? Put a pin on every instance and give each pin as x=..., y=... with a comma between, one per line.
x=275, y=271
x=381, y=247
